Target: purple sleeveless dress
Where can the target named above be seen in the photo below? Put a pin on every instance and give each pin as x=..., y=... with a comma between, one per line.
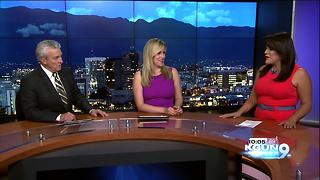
x=160, y=92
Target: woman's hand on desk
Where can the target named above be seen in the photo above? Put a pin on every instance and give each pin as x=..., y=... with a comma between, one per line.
x=290, y=123
x=233, y=115
x=178, y=110
x=174, y=111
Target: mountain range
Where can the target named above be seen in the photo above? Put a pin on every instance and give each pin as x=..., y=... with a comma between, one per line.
x=83, y=36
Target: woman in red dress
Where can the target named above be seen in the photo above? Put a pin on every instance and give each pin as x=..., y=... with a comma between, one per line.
x=280, y=85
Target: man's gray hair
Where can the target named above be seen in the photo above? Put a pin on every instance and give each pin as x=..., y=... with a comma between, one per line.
x=43, y=45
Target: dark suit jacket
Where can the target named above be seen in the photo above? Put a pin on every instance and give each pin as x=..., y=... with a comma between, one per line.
x=40, y=100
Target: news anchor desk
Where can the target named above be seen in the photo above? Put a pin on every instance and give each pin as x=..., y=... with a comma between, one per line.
x=24, y=139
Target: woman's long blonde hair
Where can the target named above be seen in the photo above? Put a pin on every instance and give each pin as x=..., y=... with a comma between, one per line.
x=152, y=47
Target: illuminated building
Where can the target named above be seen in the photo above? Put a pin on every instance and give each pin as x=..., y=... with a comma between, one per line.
x=96, y=70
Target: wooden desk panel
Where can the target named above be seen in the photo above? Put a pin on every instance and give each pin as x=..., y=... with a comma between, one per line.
x=304, y=142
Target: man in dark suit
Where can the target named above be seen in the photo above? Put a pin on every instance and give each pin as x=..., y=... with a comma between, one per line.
x=48, y=93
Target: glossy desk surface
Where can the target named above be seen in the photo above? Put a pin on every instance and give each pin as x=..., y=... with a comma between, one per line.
x=23, y=139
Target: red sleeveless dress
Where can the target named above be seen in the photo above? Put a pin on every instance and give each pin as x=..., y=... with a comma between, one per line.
x=275, y=94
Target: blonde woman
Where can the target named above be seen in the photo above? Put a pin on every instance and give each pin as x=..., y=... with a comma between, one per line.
x=157, y=87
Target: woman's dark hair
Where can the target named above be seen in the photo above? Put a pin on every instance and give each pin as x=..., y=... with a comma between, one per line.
x=283, y=45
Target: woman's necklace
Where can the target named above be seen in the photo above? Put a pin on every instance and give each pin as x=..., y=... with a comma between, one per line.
x=274, y=71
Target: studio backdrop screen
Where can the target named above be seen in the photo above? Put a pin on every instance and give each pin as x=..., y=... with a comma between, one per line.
x=211, y=44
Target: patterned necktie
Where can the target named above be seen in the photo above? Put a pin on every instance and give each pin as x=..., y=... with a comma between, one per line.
x=60, y=89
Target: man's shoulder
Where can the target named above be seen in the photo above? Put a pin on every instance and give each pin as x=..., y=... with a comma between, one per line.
x=32, y=78
x=33, y=74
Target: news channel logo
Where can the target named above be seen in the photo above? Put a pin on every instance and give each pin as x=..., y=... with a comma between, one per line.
x=266, y=148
